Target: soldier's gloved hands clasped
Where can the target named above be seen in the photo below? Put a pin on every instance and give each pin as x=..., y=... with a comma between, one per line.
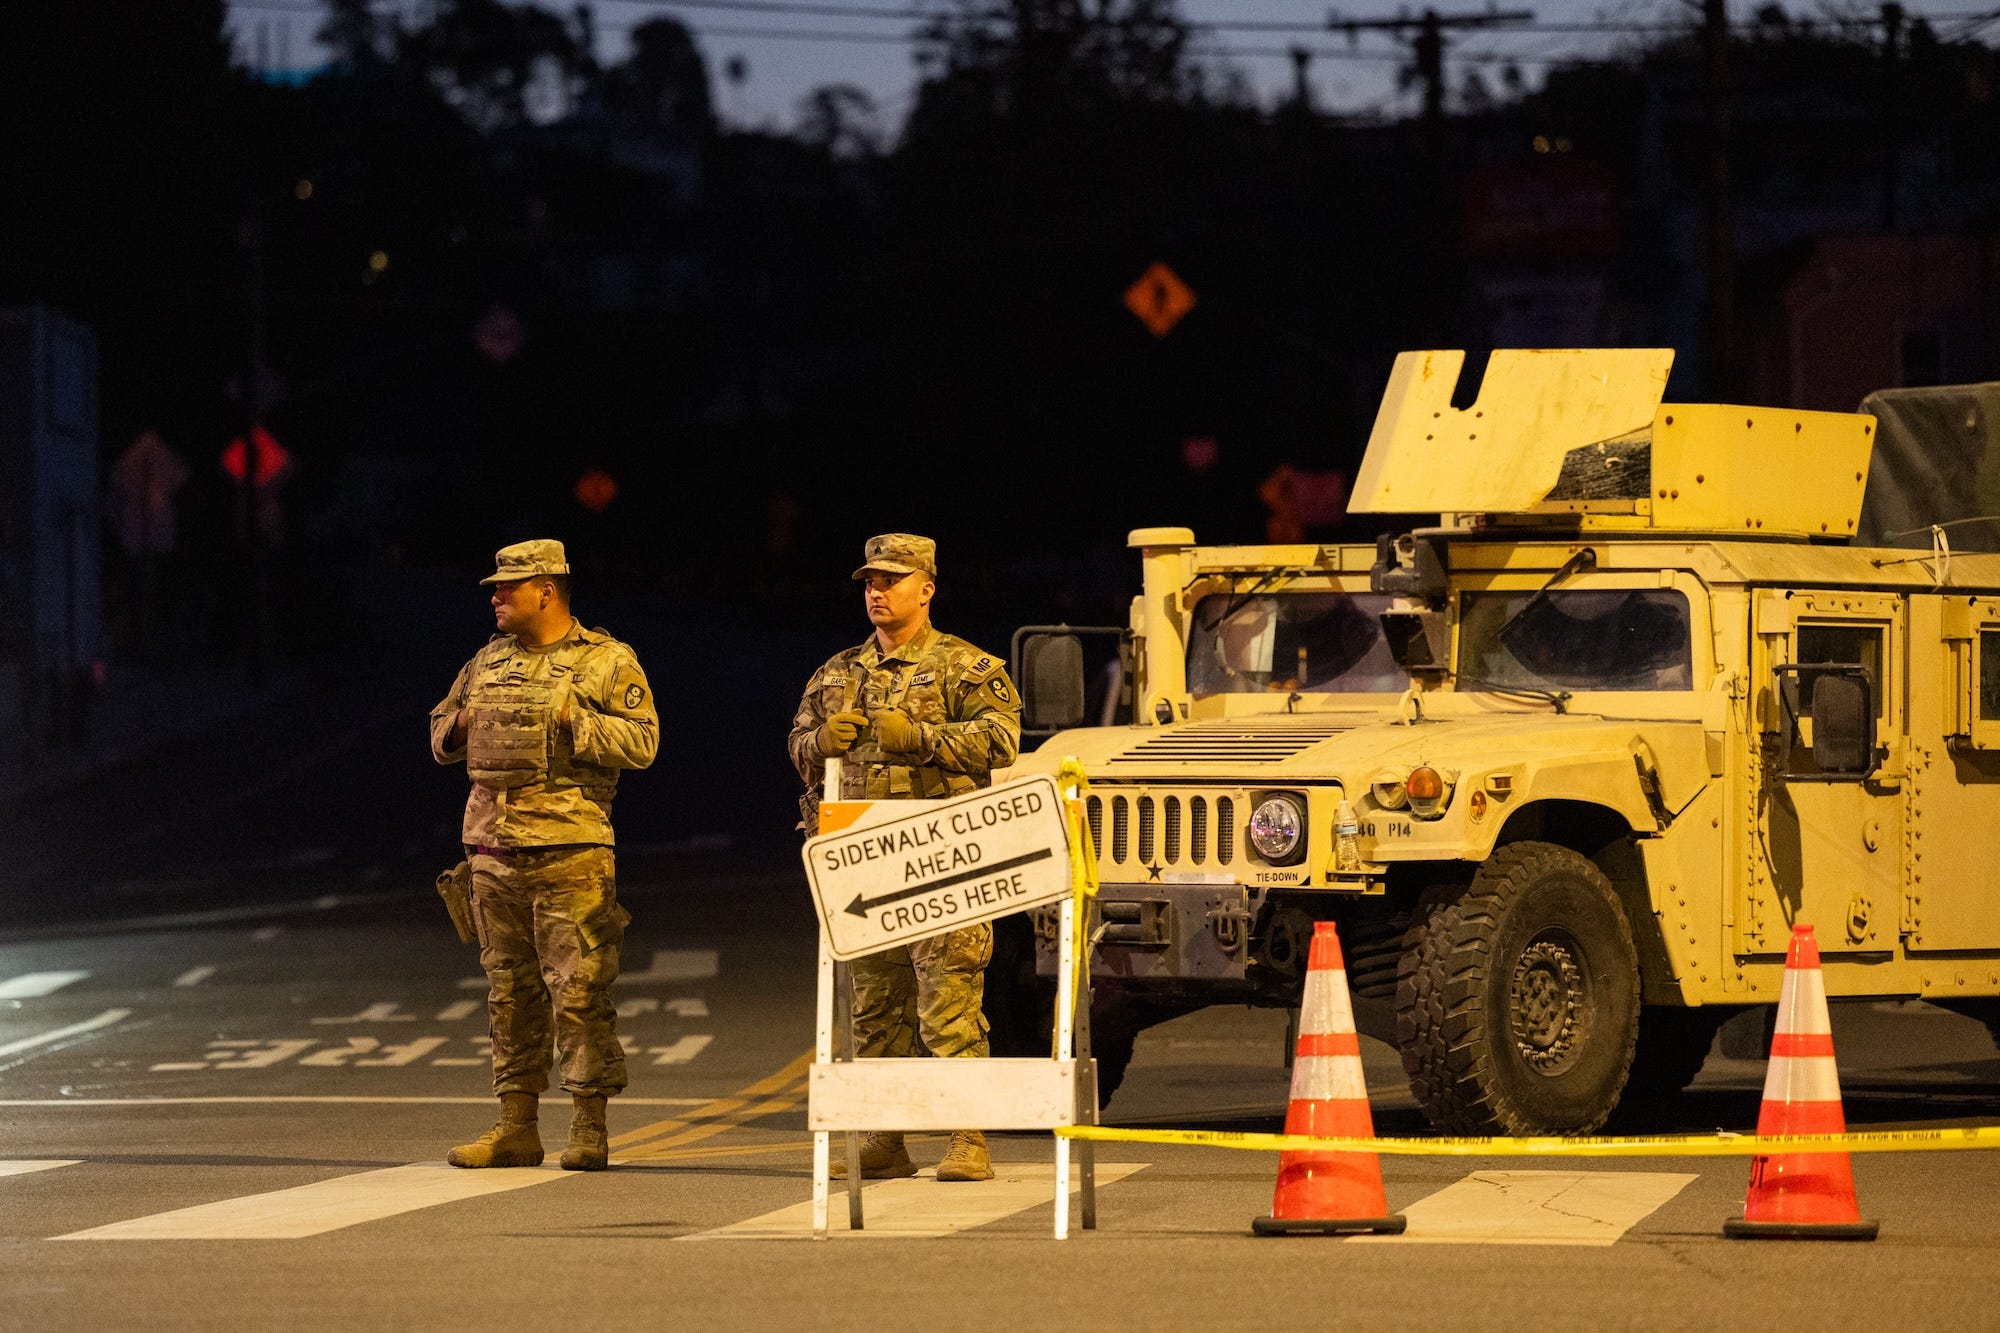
x=895, y=732
x=838, y=733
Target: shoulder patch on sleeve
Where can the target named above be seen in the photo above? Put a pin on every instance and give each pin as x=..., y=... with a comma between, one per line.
x=982, y=666
x=635, y=694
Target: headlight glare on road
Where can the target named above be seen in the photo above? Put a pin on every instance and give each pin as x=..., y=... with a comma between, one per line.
x=1277, y=829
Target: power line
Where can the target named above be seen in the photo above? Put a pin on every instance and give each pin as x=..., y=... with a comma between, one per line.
x=1396, y=23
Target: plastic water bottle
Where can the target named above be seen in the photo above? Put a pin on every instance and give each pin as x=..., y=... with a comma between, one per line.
x=1347, y=838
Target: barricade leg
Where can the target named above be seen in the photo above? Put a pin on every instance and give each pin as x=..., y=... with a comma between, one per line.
x=823, y=1053
x=1086, y=1074
x=843, y=999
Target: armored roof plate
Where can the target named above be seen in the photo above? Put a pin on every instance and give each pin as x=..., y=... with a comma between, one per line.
x=1504, y=453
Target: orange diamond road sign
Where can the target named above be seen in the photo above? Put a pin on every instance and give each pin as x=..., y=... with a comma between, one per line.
x=1160, y=299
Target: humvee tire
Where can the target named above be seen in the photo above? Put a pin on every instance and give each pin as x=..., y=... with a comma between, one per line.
x=1517, y=998
x=1673, y=1045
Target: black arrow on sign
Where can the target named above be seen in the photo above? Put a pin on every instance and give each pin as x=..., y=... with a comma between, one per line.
x=860, y=906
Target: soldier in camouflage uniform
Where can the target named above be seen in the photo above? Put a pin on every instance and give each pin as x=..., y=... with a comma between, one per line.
x=916, y=714
x=544, y=717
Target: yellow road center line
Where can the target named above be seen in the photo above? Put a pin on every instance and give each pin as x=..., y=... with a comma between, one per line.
x=788, y=1100
x=721, y=1150
x=736, y=1101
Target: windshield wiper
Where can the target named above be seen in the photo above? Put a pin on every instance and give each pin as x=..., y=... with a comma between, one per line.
x=1242, y=599
x=1556, y=699
x=1583, y=559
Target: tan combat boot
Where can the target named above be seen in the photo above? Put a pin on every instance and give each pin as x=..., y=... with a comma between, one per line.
x=515, y=1141
x=589, y=1143
x=883, y=1157
x=966, y=1159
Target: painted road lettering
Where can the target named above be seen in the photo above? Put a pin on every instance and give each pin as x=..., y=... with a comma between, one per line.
x=913, y=868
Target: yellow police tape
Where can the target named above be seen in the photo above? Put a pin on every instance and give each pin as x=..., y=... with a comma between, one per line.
x=1650, y=1145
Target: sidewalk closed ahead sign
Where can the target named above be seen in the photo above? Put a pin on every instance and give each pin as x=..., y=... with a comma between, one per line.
x=915, y=868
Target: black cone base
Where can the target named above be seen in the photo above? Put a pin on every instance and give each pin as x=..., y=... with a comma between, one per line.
x=1329, y=1226
x=1737, y=1228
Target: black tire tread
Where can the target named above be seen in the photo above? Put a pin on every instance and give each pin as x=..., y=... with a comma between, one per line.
x=1440, y=1020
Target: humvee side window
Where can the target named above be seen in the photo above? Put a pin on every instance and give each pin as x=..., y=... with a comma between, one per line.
x=1582, y=639
x=1311, y=642
x=1989, y=675
x=1853, y=645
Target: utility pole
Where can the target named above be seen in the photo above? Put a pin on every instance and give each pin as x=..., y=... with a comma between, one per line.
x=1892, y=109
x=1718, y=201
x=1301, y=88
x=1426, y=36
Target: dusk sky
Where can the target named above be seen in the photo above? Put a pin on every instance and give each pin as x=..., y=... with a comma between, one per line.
x=794, y=46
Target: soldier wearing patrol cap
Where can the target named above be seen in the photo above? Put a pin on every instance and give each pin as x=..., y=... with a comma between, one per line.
x=545, y=717
x=916, y=714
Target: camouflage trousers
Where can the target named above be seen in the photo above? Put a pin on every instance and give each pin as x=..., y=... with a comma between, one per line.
x=930, y=988
x=549, y=928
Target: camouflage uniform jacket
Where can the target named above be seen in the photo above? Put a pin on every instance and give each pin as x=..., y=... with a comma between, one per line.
x=964, y=706
x=532, y=786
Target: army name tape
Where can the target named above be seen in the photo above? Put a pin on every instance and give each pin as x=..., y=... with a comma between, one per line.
x=1657, y=1145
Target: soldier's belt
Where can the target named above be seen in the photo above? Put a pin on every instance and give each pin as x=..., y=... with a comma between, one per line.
x=509, y=853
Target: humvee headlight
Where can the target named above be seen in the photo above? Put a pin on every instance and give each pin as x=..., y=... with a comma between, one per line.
x=1277, y=829
x=1429, y=791
x=1389, y=791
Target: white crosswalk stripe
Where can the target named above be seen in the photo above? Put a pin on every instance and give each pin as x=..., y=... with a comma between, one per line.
x=26, y=1167
x=326, y=1205
x=920, y=1206
x=1535, y=1208
x=34, y=985
x=103, y=1020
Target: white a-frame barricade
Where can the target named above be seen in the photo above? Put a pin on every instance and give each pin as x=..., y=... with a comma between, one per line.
x=884, y=873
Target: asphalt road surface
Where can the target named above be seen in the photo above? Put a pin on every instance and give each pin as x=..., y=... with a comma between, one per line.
x=237, y=1036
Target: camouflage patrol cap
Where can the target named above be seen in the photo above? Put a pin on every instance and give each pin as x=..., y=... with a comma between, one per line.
x=899, y=553
x=527, y=560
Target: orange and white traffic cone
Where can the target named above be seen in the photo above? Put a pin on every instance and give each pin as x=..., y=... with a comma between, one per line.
x=1804, y=1195
x=1326, y=1193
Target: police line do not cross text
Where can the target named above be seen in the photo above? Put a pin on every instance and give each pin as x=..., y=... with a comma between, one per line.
x=916, y=868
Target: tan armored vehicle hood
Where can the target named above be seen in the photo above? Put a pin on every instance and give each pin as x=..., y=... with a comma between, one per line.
x=1353, y=746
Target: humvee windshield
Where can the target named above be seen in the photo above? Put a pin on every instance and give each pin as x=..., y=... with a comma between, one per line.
x=1310, y=642
x=1599, y=639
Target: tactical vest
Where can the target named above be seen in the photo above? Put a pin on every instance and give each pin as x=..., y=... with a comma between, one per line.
x=870, y=773
x=510, y=716
x=507, y=732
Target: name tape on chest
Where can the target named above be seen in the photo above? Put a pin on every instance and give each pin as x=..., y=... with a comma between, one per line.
x=912, y=869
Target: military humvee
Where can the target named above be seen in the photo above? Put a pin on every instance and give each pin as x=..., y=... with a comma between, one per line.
x=1565, y=768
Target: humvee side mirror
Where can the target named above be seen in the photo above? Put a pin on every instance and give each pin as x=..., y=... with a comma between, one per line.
x=1842, y=714
x=1048, y=665
x=1052, y=681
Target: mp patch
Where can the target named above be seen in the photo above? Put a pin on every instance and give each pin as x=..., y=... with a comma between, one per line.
x=633, y=696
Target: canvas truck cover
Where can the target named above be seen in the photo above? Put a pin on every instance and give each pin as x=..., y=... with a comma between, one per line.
x=1936, y=461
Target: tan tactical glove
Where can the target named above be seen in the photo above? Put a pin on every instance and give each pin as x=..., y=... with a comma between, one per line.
x=838, y=733
x=896, y=733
